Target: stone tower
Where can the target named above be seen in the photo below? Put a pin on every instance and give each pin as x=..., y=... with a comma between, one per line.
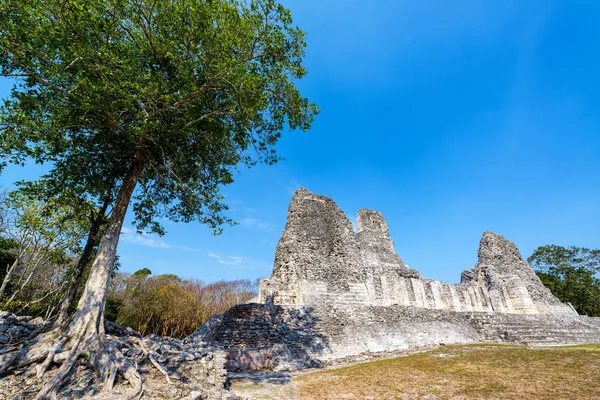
x=320, y=260
x=317, y=258
x=512, y=284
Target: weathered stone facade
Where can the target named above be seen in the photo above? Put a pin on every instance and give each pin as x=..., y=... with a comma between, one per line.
x=335, y=293
x=320, y=260
x=317, y=258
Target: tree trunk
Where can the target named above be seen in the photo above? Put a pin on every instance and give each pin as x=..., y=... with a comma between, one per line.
x=90, y=310
x=75, y=281
x=9, y=273
x=85, y=332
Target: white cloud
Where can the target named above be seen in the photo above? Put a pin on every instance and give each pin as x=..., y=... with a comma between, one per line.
x=149, y=242
x=234, y=261
x=129, y=235
x=256, y=223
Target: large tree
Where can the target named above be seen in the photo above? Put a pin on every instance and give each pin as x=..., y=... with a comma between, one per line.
x=176, y=93
x=571, y=274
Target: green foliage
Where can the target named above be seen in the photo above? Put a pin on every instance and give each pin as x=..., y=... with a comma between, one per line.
x=12, y=305
x=111, y=309
x=571, y=275
x=143, y=273
x=52, y=226
x=201, y=85
x=7, y=257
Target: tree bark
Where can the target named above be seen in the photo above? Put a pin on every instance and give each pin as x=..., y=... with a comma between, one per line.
x=90, y=310
x=9, y=273
x=76, y=279
x=85, y=332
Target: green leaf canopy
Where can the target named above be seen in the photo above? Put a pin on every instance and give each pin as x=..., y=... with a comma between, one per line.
x=204, y=85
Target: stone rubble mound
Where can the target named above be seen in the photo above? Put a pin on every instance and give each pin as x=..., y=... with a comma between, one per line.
x=15, y=328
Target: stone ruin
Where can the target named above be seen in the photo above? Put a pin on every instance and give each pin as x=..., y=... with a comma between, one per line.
x=320, y=260
x=335, y=293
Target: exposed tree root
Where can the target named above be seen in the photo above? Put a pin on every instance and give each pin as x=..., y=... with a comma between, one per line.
x=50, y=357
x=53, y=348
x=152, y=359
x=104, y=358
x=8, y=359
x=25, y=356
x=90, y=363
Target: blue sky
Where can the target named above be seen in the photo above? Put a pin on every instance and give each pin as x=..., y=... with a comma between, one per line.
x=451, y=118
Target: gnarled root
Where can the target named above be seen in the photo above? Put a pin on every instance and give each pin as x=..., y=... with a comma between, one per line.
x=105, y=358
x=36, y=352
x=150, y=355
x=55, y=348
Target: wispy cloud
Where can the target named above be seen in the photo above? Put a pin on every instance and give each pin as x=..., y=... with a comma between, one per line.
x=129, y=235
x=235, y=261
x=232, y=260
x=253, y=222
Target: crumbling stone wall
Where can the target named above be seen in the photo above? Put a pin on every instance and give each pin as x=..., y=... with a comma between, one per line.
x=320, y=260
x=335, y=294
x=288, y=338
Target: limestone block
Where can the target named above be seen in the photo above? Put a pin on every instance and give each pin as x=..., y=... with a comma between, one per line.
x=475, y=300
x=376, y=245
x=312, y=292
x=418, y=290
x=496, y=301
x=385, y=291
x=519, y=297
x=467, y=303
x=506, y=300
x=402, y=292
x=451, y=297
x=485, y=299
x=436, y=290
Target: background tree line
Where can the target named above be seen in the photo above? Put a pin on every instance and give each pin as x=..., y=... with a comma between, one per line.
x=40, y=247
x=571, y=274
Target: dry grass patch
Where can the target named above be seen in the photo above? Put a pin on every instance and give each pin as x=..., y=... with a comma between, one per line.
x=466, y=372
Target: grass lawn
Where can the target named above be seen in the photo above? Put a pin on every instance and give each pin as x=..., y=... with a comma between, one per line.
x=466, y=372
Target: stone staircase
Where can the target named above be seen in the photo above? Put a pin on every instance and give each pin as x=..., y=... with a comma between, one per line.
x=535, y=329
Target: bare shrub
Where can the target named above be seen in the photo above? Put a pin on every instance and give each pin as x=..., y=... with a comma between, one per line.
x=167, y=305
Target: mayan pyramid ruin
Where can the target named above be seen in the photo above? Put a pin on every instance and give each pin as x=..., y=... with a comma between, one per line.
x=335, y=293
